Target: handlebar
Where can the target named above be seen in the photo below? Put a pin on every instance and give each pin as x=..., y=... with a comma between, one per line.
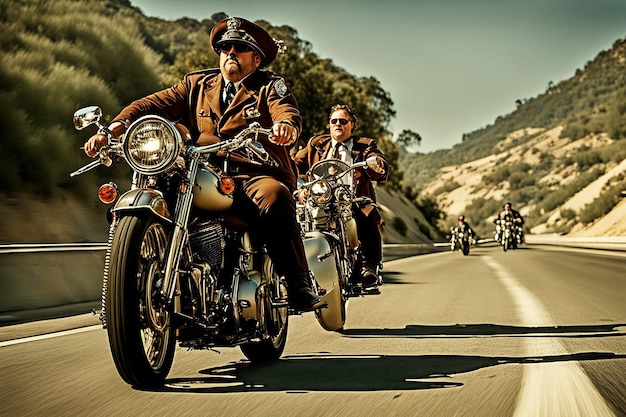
x=242, y=139
x=368, y=163
x=246, y=138
x=103, y=158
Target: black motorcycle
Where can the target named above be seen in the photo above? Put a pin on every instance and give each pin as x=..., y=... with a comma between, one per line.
x=506, y=233
x=460, y=240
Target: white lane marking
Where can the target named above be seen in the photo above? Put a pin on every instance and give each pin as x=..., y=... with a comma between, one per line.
x=49, y=335
x=548, y=389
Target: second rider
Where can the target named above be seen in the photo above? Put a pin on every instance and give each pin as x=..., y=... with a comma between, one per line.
x=341, y=143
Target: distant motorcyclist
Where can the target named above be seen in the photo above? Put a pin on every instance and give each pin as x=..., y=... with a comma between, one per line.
x=463, y=226
x=514, y=216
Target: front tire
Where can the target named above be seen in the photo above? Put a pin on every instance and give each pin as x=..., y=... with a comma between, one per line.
x=466, y=248
x=141, y=339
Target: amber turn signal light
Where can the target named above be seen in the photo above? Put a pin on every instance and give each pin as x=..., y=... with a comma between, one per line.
x=107, y=193
x=227, y=185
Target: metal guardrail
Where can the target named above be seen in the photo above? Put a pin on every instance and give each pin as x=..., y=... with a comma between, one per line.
x=69, y=247
x=65, y=277
x=616, y=243
x=590, y=242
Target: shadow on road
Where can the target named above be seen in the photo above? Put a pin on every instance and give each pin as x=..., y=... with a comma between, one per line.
x=326, y=372
x=393, y=277
x=323, y=372
x=493, y=330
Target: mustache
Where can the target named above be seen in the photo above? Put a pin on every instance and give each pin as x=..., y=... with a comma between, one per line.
x=233, y=70
x=233, y=58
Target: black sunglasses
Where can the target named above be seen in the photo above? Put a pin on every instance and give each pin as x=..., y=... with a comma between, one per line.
x=342, y=121
x=239, y=47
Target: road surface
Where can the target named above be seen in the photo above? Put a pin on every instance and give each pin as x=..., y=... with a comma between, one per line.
x=539, y=331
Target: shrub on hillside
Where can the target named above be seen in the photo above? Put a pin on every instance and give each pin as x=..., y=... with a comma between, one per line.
x=399, y=225
x=429, y=207
x=602, y=204
x=506, y=172
x=481, y=212
x=56, y=57
x=561, y=194
x=447, y=187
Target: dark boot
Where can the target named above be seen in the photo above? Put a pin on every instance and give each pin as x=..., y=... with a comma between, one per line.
x=369, y=275
x=301, y=295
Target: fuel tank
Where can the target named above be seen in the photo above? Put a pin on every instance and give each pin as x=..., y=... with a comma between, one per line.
x=206, y=193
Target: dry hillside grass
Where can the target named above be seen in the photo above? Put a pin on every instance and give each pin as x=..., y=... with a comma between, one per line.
x=517, y=148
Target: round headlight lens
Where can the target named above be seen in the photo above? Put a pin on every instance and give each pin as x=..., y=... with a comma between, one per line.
x=151, y=145
x=320, y=192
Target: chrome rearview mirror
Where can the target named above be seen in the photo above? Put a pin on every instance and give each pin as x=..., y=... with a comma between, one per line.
x=86, y=117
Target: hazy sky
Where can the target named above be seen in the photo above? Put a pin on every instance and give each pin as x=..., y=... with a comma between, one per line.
x=450, y=66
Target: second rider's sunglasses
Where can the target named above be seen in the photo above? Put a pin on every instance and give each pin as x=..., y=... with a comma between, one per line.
x=342, y=121
x=239, y=47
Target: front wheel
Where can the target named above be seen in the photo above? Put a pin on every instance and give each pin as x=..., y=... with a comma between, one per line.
x=141, y=339
x=466, y=248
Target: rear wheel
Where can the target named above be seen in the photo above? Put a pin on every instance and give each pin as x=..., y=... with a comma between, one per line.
x=141, y=339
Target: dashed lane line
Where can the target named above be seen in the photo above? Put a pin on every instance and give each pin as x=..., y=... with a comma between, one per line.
x=48, y=336
x=548, y=389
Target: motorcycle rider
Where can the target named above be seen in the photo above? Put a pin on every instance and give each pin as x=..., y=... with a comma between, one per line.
x=215, y=104
x=517, y=219
x=341, y=143
x=463, y=226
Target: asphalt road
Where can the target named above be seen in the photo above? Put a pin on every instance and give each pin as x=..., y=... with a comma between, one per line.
x=539, y=331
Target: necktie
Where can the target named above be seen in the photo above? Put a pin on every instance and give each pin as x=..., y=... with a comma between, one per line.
x=229, y=94
x=336, y=151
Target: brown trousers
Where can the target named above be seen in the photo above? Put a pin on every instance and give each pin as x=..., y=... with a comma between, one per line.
x=268, y=205
x=368, y=228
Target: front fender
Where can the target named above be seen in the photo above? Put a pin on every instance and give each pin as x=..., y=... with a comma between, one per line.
x=322, y=263
x=143, y=199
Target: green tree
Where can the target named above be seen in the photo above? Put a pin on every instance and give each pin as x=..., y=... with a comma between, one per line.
x=409, y=138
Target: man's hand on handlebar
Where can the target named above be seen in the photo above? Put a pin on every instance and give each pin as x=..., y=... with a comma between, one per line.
x=97, y=141
x=283, y=134
x=94, y=144
x=302, y=194
x=379, y=167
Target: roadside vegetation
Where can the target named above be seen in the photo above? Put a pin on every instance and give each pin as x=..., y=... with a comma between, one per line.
x=62, y=55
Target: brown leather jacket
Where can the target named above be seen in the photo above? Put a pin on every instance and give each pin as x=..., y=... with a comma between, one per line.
x=362, y=148
x=195, y=102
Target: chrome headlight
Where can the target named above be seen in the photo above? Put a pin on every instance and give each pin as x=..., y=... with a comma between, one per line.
x=320, y=192
x=151, y=145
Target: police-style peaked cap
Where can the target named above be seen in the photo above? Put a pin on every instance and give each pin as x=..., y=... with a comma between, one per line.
x=239, y=30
